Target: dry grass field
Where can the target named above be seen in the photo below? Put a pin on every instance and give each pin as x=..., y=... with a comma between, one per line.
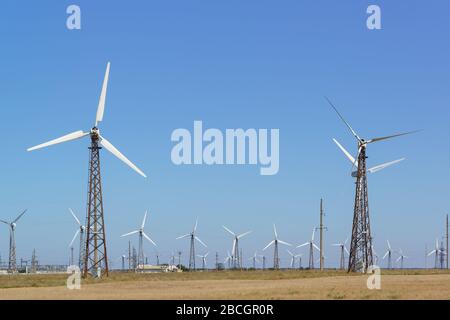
x=285, y=285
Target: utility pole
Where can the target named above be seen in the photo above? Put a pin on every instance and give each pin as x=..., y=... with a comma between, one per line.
x=179, y=259
x=446, y=236
x=321, y=228
x=129, y=255
x=217, y=261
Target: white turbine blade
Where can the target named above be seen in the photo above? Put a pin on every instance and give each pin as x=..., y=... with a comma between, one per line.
x=342, y=118
x=285, y=243
x=437, y=244
x=337, y=245
x=290, y=253
x=244, y=234
x=20, y=216
x=206, y=255
x=74, y=237
x=229, y=231
x=399, y=258
x=384, y=257
x=185, y=236
x=313, y=234
x=234, y=247
x=196, y=225
x=72, y=136
x=390, y=137
x=432, y=252
x=269, y=245
x=275, y=231
x=347, y=154
x=389, y=245
x=129, y=234
x=384, y=165
x=303, y=245
x=75, y=217
x=5, y=222
x=101, y=103
x=346, y=240
x=145, y=219
x=346, y=251
x=148, y=238
x=108, y=146
x=198, y=239
x=318, y=249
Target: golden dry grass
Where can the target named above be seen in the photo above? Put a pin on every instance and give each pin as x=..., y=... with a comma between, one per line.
x=286, y=285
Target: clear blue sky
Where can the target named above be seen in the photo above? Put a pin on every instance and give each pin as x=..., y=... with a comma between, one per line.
x=231, y=64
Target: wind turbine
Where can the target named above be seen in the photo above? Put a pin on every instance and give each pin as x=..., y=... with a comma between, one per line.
x=236, y=260
x=193, y=237
x=142, y=235
x=361, y=255
x=312, y=246
x=344, y=250
x=96, y=258
x=12, y=264
x=437, y=251
x=203, y=257
x=275, y=242
x=293, y=257
x=389, y=255
x=228, y=259
x=401, y=258
x=80, y=232
x=254, y=259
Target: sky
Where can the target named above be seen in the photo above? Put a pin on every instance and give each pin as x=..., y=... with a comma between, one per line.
x=231, y=64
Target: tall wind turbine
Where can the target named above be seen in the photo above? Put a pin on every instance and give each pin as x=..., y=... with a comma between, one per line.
x=12, y=264
x=437, y=252
x=96, y=258
x=388, y=254
x=401, y=258
x=275, y=242
x=142, y=235
x=236, y=259
x=228, y=260
x=203, y=257
x=344, y=250
x=361, y=255
x=312, y=246
x=193, y=237
x=293, y=258
x=254, y=260
x=80, y=231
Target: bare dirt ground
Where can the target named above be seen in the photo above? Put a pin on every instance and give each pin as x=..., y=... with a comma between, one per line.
x=289, y=286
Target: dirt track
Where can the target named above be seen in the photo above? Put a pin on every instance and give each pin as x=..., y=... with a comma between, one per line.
x=342, y=287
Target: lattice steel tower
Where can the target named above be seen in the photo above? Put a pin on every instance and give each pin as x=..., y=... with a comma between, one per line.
x=361, y=255
x=96, y=254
